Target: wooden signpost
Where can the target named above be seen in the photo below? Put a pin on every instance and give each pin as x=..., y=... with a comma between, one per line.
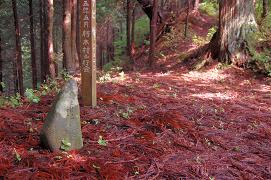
x=88, y=52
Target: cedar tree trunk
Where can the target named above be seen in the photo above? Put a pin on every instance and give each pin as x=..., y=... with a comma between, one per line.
x=19, y=65
x=73, y=34
x=67, y=47
x=153, y=32
x=33, y=52
x=236, y=22
x=1, y=65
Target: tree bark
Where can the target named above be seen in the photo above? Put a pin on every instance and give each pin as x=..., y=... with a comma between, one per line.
x=78, y=33
x=67, y=46
x=147, y=7
x=196, y=5
x=1, y=65
x=43, y=64
x=33, y=51
x=187, y=19
x=49, y=38
x=73, y=34
x=153, y=32
x=128, y=27
x=133, y=31
x=19, y=65
x=236, y=21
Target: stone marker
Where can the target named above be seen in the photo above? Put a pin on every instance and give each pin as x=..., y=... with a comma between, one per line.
x=62, y=127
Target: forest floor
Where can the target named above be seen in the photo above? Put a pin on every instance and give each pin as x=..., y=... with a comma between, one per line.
x=183, y=124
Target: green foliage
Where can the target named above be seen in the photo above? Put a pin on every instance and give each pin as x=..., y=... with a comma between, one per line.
x=209, y=7
x=142, y=29
x=105, y=78
x=49, y=87
x=17, y=155
x=200, y=41
x=156, y=86
x=31, y=96
x=15, y=100
x=65, y=75
x=2, y=84
x=101, y=141
x=115, y=65
x=126, y=114
x=65, y=145
x=172, y=39
x=265, y=27
x=2, y=101
x=259, y=49
x=263, y=61
x=120, y=57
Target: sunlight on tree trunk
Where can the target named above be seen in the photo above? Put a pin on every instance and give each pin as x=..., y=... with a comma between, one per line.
x=236, y=22
x=49, y=39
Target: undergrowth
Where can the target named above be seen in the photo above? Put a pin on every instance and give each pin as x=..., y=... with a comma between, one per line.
x=200, y=41
x=209, y=7
x=142, y=29
x=30, y=95
x=259, y=46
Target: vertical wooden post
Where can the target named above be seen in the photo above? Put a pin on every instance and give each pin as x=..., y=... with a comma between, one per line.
x=88, y=52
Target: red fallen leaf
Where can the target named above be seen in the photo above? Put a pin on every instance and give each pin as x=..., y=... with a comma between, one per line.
x=116, y=153
x=5, y=165
x=114, y=171
x=116, y=97
x=146, y=135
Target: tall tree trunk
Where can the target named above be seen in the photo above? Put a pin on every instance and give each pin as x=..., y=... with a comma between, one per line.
x=78, y=32
x=147, y=7
x=19, y=64
x=67, y=47
x=49, y=38
x=265, y=8
x=187, y=19
x=42, y=40
x=196, y=5
x=128, y=27
x=236, y=21
x=1, y=65
x=108, y=40
x=73, y=34
x=33, y=51
x=153, y=32
x=133, y=31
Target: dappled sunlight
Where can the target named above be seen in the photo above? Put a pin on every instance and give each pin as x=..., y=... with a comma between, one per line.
x=76, y=157
x=207, y=76
x=219, y=96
